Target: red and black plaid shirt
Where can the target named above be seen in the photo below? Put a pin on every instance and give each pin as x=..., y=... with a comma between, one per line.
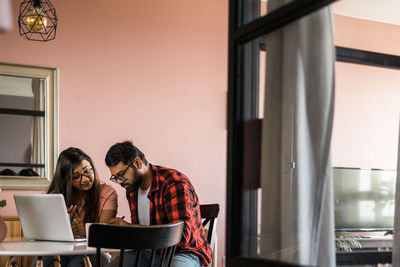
x=172, y=199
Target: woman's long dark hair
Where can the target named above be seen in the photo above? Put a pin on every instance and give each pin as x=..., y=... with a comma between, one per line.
x=68, y=160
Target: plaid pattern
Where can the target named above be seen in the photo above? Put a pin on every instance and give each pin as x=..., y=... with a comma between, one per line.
x=172, y=198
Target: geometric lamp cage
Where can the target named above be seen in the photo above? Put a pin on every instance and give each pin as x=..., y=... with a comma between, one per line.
x=37, y=20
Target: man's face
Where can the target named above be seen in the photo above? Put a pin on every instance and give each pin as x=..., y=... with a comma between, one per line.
x=128, y=176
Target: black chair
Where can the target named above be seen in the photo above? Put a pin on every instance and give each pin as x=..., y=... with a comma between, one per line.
x=160, y=238
x=209, y=212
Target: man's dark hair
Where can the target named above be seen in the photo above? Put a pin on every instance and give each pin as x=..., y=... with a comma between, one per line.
x=124, y=152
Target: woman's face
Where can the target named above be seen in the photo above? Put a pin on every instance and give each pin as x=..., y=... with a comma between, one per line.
x=83, y=176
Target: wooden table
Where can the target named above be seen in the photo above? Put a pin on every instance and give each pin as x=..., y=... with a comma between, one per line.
x=17, y=246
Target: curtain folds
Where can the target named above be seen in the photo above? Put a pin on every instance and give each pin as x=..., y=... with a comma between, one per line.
x=37, y=126
x=396, y=238
x=296, y=175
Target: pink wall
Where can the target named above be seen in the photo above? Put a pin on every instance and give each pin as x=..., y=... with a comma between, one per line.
x=367, y=35
x=367, y=98
x=366, y=119
x=151, y=71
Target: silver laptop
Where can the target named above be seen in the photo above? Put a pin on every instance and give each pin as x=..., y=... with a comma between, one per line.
x=44, y=217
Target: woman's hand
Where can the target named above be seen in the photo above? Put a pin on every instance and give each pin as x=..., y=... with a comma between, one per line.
x=72, y=212
x=78, y=228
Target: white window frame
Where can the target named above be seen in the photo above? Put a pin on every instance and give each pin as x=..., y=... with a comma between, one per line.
x=50, y=76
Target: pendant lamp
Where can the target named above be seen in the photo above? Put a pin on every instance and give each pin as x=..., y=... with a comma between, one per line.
x=37, y=20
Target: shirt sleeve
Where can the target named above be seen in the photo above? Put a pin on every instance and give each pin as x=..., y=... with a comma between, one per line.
x=178, y=206
x=108, y=198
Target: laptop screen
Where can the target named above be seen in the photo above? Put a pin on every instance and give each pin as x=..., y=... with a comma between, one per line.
x=44, y=217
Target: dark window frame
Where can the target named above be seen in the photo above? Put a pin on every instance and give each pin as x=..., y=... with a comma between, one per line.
x=367, y=58
x=241, y=111
x=243, y=124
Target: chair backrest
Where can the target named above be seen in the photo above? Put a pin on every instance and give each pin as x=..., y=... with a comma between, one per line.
x=161, y=238
x=209, y=212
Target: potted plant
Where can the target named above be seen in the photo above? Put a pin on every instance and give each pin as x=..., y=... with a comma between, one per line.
x=3, y=227
x=346, y=241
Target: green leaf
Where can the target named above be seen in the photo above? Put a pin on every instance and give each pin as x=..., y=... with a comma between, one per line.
x=346, y=241
x=3, y=203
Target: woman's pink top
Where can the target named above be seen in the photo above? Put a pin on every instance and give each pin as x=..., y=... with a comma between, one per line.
x=108, y=200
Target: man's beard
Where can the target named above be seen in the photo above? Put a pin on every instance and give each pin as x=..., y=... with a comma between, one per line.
x=136, y=183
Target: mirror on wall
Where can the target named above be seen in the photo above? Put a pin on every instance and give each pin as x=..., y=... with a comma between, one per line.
x=28, y=115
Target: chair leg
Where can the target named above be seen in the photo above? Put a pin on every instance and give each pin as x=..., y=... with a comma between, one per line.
x=137, y=260
x=163, y=253
x=98, y=257
x=121, y=257
x=171, y=257
x=57, y=261
x=153, y=253
x=39, y=262
x=86, y=261
x=11, y=262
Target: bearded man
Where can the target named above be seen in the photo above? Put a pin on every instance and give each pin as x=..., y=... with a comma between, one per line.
x=159, y=195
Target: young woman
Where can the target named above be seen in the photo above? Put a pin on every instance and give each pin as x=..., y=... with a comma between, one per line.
x=87, y=199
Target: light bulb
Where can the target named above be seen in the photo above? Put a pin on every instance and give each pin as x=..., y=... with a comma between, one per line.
x=35, y=20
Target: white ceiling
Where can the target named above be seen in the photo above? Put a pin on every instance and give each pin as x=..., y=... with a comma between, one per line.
x=386, y=11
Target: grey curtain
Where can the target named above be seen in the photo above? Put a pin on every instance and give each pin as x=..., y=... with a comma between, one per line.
x=37, y=126
x=396, y=238
x=297, y=189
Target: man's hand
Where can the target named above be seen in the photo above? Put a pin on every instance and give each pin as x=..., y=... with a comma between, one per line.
x=118, y=221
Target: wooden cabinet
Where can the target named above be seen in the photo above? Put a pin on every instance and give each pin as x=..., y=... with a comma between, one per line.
x=14, y=230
